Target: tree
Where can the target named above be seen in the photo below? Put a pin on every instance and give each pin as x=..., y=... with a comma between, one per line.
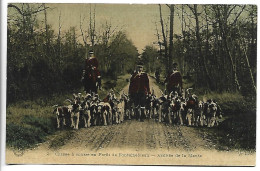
x=217, y=45
x=165, y=42
x=150, y=56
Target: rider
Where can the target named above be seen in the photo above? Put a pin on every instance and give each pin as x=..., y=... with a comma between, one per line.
x=91, y=75
x=139, y=89
x=174, y=80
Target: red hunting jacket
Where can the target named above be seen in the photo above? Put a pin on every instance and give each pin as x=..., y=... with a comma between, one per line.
x=174, y=79
x=91, y=63
x=139, y=83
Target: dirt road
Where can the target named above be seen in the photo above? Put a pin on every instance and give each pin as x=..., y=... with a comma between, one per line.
x=135, y=135
x=149, y=137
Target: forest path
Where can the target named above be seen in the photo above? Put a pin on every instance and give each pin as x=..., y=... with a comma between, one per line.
x=135, y=135
x=131, y=135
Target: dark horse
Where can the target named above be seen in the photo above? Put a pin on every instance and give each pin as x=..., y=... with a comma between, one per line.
x=91, y=81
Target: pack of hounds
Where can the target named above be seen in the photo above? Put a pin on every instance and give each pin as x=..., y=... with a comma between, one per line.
x=180, y=109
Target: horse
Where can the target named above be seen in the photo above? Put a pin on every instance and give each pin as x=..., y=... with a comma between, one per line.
x=91, y=81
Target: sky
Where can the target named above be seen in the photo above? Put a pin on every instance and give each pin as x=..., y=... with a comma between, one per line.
x=137, y=20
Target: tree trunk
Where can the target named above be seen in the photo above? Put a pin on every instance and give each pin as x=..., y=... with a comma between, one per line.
x=201, y=58
x=171, y=37
x=223, y=28
x=164, y=42
x=247, y=61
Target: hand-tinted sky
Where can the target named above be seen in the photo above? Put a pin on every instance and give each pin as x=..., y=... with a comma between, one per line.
x=137, y=20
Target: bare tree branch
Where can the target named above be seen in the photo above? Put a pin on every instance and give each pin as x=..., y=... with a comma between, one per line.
x=230, y=11
x=40, y=8
x=235, y=20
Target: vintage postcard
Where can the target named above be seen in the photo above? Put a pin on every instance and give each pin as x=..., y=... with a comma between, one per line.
x=131, y=84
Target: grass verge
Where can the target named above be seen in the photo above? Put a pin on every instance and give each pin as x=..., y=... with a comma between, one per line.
x=31, y=122
x=238, y=130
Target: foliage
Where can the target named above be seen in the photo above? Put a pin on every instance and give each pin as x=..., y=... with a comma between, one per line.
x=217, y=46
x=150, y=56
x=38, y=63
x=32, y=122
x=32, y=131
x=116, y=85
x=60, y=138
x=41, y=62
x=28, y=124
x=117, y=56
x=238, y=132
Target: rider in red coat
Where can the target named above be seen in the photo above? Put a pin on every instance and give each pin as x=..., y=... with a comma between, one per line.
x=138, y=90
x=91, y=74
x=174, y=81
x=139, y=83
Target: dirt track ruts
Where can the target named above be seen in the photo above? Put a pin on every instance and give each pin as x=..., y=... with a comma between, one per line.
x=135, y=135
x=130, y=137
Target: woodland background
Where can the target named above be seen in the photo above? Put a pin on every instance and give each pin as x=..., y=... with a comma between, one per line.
x=215, y=47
